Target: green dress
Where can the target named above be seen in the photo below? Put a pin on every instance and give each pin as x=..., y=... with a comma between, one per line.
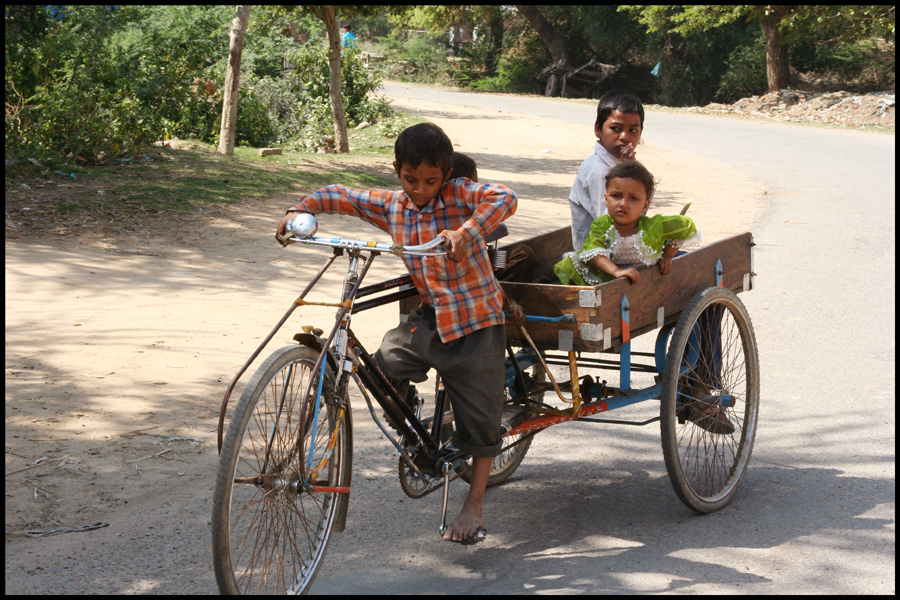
x=640, y=250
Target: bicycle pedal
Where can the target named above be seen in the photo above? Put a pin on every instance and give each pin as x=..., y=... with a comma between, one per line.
x=453, y=455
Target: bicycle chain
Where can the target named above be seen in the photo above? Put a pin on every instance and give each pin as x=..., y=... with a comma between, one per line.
x=435, y=484
x=438, y=483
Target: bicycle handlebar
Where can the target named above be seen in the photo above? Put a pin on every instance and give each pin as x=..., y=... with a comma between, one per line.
x=302, y=229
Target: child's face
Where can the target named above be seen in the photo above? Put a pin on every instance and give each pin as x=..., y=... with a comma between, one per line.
x=620, y=130
x=422, y=183
x=626, y=200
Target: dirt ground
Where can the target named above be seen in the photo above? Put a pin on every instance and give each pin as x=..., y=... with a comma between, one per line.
x=122, y=335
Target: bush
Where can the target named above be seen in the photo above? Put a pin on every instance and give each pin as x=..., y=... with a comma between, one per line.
x=515, y=74
x=254, y=127
x=96, y=80
x=863, y=66
x=298, y=105
x=420, y=59
x=746, y=72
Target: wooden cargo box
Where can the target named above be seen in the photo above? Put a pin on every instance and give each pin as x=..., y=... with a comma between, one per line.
x=654, y=301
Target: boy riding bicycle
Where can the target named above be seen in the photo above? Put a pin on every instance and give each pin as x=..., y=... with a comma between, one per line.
x=459, y=331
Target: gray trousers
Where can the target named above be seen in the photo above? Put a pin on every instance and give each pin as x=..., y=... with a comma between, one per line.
x=472, y=368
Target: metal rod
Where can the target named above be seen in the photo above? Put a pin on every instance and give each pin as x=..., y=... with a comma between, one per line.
x=617, y=422
x=264, y=343
x=446, y=469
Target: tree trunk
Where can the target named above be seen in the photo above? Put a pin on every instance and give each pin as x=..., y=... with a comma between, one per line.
x=232, y=80
x=555, y=43
x=777, y=62
x=326, y=14
x=495, y=48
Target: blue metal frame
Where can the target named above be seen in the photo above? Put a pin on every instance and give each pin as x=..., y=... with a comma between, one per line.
x=625, y=349
x=627, y=396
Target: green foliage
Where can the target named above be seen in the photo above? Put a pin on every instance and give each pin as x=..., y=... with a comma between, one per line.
x=687, y=19
x=692, y=67
x=99, y=80
x=298, y=104
x=840, y=42
x=865, y=66
x=515, y=74
x=746, y=72
x=254, y=128
x=90, y=82
x=868, y=64
x=417, y=57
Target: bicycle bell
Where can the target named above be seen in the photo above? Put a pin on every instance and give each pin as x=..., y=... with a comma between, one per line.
x=303, y=225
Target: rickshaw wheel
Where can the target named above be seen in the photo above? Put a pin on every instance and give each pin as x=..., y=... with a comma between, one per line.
x=710, y=400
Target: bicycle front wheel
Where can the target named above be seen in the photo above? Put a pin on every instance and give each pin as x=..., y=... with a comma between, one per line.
x=283, y=478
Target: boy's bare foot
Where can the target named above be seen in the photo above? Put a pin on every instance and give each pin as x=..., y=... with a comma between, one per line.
x=469, y=520
x=465, y=526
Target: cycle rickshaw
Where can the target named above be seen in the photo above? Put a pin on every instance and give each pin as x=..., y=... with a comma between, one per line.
x=284, y=479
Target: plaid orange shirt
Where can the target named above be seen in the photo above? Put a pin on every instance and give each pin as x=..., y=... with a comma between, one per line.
x=466, y=296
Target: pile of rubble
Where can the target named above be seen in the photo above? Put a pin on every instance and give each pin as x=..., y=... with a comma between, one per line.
x=839, y=108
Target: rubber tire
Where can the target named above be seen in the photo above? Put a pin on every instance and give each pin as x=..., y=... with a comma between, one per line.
x=551, y=89
x=706, y=469
x=271, y=510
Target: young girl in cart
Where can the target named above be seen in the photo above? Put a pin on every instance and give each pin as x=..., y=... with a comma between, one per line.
x=625, y=240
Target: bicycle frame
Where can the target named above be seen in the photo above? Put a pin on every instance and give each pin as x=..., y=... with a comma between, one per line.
x=342, y=350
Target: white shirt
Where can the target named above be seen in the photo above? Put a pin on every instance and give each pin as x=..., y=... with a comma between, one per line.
x=588, y=196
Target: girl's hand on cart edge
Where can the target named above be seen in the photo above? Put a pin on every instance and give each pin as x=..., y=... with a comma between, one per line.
x=631, y=274
x=458, y=245
x=665, y=265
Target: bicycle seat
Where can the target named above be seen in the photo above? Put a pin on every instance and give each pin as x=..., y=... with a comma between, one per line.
x=499, y=232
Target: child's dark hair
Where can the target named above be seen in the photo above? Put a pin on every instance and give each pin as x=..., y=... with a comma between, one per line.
x=462, y=166
x=425, y=142
x=632, y=169
x=620, y=100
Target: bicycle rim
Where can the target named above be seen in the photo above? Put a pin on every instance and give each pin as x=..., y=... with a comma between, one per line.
x=270, y=532
x=706, y=467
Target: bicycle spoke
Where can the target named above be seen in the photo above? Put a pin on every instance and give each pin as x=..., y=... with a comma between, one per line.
x=277, y=529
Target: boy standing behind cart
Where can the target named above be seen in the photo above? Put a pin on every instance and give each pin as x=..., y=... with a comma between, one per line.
x=459, y=330
x=620, y=122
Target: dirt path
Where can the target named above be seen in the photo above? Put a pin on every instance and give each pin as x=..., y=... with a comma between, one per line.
x=118, y=352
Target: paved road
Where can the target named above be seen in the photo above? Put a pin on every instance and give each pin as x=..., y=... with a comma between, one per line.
x=816, y=511
x=591, y=509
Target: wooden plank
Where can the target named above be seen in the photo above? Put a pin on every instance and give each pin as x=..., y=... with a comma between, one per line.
x=599, y=328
